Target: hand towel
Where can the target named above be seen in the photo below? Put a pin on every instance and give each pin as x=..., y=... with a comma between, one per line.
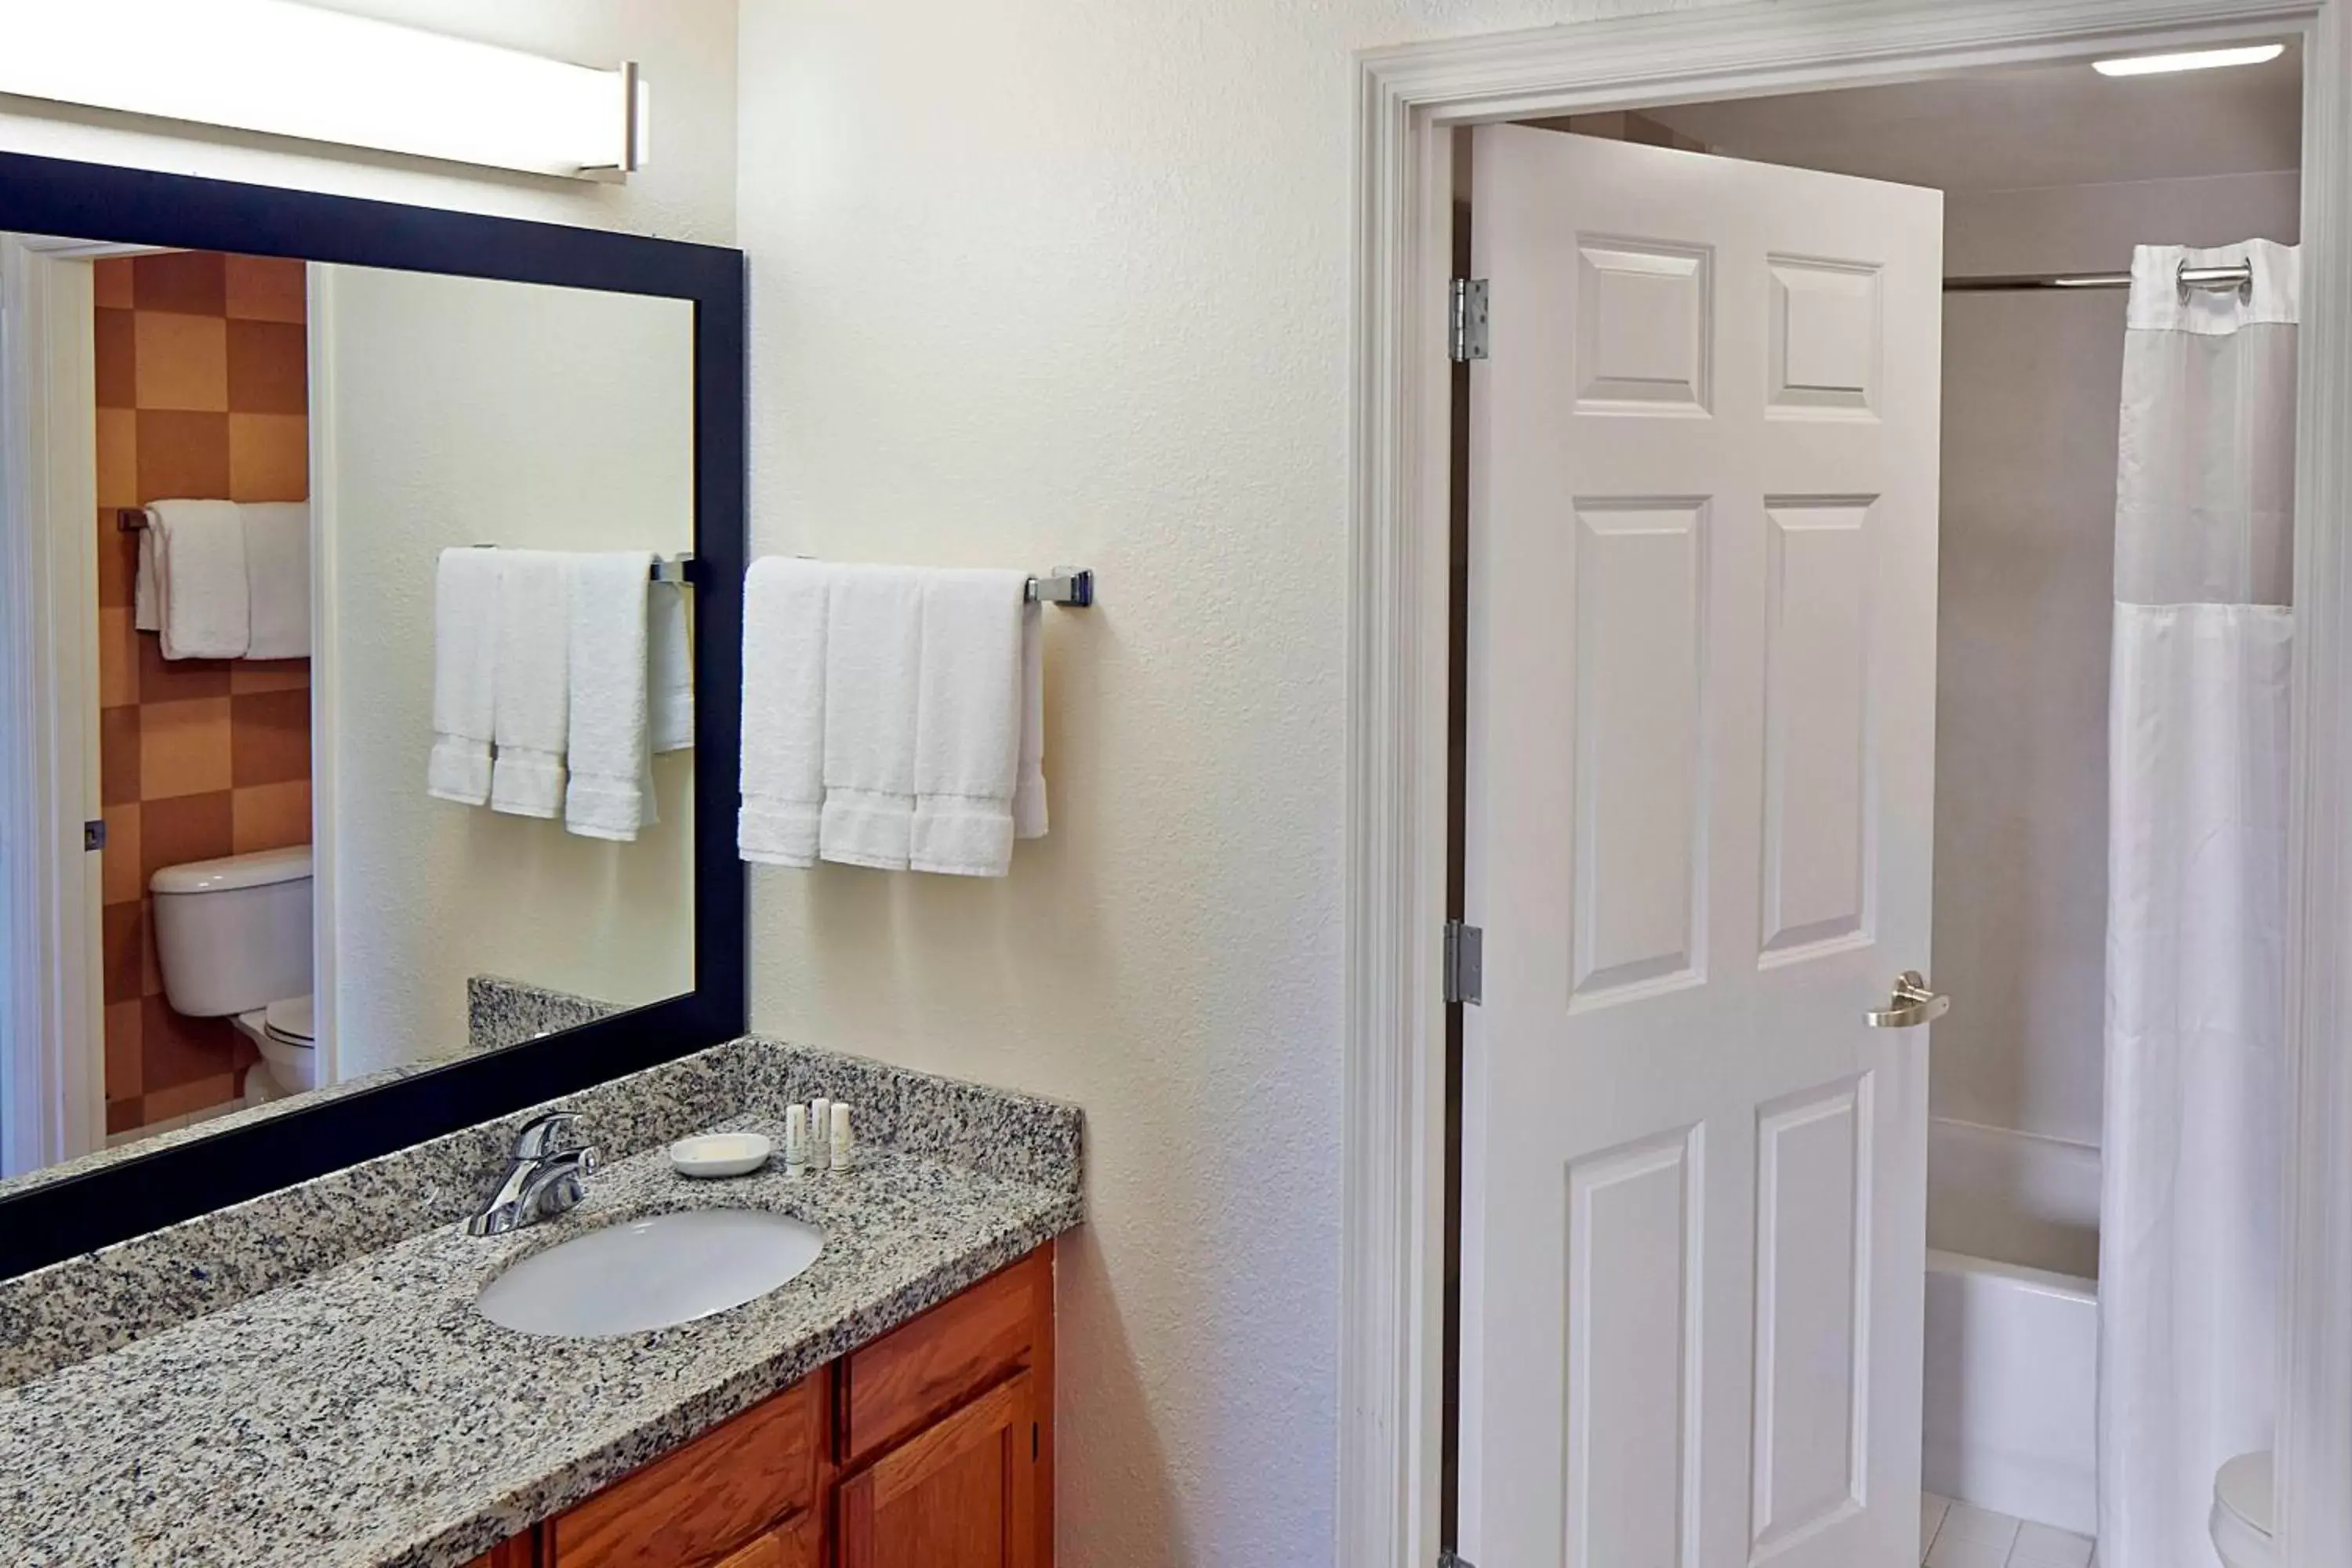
x=200, y=557
x=968, y=723
x=278, y=578
x=1029, y=788
x=146, y=612
x=610, y=791
x=873, y=644
x=465, y=662
x=670, y=651
x=782, y=778
x=532, y=683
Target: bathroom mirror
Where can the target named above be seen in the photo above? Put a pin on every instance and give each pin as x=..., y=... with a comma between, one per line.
x=374, y=630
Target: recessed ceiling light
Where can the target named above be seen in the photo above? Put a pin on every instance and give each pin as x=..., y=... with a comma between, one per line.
x=2195, y=60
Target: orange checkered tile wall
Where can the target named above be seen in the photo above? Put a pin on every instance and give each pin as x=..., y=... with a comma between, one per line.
x=203, y=393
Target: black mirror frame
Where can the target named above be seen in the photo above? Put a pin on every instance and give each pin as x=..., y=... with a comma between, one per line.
x=73, y=1214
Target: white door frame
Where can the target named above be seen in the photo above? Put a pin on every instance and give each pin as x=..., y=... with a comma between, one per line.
x=1410, y=98
x=52, y=1005
x=326, y=668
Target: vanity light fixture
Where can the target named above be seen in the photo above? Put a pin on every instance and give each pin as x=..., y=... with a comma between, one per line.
x=291, y=69
x=2194, y=60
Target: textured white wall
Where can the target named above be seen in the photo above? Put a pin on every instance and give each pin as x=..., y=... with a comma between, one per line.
x=1038, y=281
x=2031, y=391
x=466, y=411
x=688, y=50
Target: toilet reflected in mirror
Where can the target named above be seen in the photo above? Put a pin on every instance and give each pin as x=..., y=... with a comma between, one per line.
x=232, y=940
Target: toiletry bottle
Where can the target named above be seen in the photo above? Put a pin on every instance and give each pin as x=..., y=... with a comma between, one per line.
x=844, y=1143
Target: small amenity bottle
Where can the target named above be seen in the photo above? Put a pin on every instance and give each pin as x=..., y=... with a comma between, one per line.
x=843, y=1144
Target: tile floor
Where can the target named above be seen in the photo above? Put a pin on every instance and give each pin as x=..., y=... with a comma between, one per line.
x=1954, y=1535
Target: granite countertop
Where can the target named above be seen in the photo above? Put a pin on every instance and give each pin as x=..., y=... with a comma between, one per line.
x=367, y=1415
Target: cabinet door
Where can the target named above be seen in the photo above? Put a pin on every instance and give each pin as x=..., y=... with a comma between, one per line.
x=792, y=1545
x=960, y=1494
x=696, y=1505
x=522, y=1552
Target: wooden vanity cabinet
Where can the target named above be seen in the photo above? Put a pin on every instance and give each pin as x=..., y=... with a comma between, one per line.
x=946, y=1433
x=800, y=1545
x=961, y=1493
x=930, y=1447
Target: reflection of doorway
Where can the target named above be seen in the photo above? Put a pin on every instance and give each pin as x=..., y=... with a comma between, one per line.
x=51, y=1052
x=200, y=386
x=134, y=377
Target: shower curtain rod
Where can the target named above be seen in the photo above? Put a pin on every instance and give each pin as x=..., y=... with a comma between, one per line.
x=2239, y=276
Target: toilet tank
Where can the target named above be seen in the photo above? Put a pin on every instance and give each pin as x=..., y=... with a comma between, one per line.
x=234, y=934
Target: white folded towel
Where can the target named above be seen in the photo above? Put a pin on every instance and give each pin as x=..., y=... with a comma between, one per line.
x=146, y=597
x=610, y=794
x=533, y=683
x=278, y=578
x=201, y=600
x=968, y=721
x=873, y=647
x=465, y=666
x=1029, y=788
x=782, y=780
x=670, y=652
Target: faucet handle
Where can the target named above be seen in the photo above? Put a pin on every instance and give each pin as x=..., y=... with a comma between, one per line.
x=560, y=1185
x=556, y=1132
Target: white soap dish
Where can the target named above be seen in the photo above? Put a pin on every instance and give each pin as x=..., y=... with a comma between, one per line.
x=715, y=1155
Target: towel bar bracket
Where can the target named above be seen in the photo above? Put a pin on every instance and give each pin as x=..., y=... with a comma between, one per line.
x=1071, y=586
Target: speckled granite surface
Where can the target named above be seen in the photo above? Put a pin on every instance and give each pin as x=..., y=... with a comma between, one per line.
x=211, y=1128
x=102, y=1301
x=498, y=1013
x=368, y=1415
x=502, y=1012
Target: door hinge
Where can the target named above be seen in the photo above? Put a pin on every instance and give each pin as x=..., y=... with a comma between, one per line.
x=93, y=835
x=1465, y=963
x=1468, y=333
x=1032, y=1441
x=1449, y=1558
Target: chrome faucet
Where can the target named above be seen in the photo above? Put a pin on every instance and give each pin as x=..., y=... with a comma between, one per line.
x=548, y=1176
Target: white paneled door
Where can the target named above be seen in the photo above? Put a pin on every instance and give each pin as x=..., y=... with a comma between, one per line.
x=1702, y=676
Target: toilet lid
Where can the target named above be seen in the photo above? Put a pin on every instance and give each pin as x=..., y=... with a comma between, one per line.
x=291, y=1020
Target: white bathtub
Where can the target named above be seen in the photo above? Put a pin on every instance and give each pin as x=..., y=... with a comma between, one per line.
x=2013, y=1324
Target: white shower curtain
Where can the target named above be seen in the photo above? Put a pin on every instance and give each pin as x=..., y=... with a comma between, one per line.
x=2197, y=759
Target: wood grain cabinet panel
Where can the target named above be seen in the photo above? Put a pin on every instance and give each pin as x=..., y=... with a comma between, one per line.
x=522, y=1552
x=962, y=1494
x=693, y=1507
x=942, y=1428
x=917, y=1373
x=795, y=1545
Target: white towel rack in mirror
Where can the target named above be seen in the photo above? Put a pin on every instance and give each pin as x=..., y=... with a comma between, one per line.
x=666, y=568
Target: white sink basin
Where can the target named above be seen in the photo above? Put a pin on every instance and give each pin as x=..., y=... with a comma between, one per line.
x=652, y=1273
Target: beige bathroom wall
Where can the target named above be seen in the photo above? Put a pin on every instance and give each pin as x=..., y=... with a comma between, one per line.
x=460, y=412
x=2031, y=389
x=1037, y=282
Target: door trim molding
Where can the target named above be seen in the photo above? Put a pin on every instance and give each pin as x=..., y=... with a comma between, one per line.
x=51, y=1040
x=1409, y=99
x=326, y=664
